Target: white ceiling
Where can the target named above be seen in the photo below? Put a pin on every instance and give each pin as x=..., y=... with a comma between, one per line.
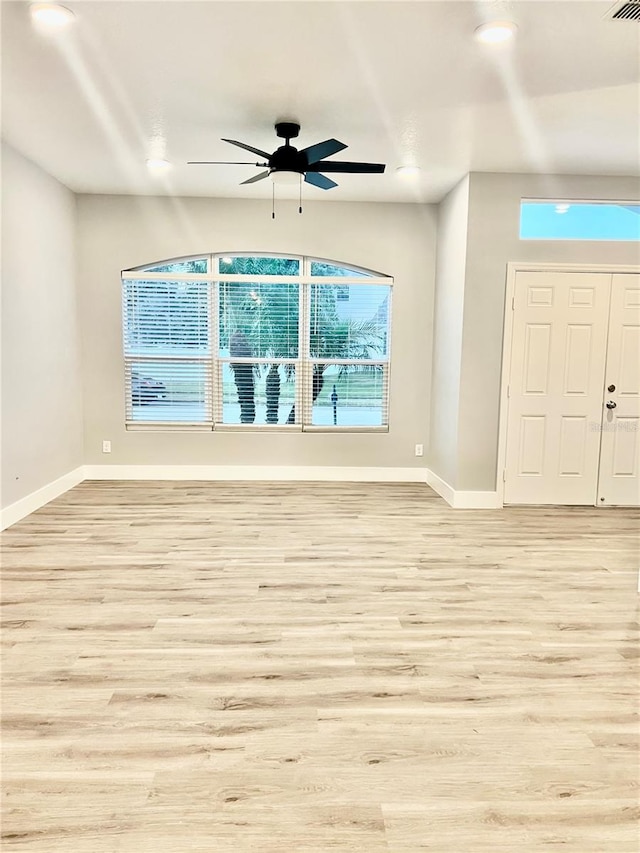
x=399, y=82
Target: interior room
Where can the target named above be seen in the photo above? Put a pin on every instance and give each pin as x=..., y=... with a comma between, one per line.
x=320, y=425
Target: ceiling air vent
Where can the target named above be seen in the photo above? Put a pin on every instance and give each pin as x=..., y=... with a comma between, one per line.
x=627, y=11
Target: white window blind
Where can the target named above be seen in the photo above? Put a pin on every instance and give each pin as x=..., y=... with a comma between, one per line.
x=259, y=325
x=348, y=355
x=256, y=342
x=167, y=345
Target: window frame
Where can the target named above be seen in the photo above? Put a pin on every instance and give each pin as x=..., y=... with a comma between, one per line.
x=303, y=363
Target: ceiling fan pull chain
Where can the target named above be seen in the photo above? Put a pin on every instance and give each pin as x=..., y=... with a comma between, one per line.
x=273, y=201
x=300, y=208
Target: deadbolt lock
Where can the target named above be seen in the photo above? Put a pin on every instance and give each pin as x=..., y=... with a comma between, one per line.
x=611, y=389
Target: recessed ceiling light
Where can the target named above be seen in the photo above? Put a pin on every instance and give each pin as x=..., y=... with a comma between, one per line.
x=51, y=16
x=158, y=165
x=562, y=208
x=496, y=32
x=408, y=173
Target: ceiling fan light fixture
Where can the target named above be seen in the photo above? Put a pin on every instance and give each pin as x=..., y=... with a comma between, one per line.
x=51, y=16
x=496, y=32
x=284, y=177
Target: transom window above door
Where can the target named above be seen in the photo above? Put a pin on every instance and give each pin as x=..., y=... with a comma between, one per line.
x=579, y=220
x=240, y=341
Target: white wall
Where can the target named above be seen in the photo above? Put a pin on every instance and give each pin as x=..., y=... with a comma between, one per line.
x=119, y=232
x=451, y=261
x=493, y=241
x=42, y=432
x=478, y=235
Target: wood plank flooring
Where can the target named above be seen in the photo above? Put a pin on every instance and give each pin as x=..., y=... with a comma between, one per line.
x=231, y=667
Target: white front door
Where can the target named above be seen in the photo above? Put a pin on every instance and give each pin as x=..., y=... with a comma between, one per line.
x=556, y=379
x=619, y=483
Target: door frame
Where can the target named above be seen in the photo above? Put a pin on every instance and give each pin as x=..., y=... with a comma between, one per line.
x=514, y=267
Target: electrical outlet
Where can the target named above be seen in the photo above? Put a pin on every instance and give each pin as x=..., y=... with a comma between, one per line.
x=106, y=447
x=419, y=450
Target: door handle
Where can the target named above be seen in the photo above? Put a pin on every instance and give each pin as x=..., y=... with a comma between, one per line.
x=611, y=404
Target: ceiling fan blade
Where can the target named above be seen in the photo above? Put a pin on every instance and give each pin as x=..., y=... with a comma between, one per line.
x=255, y=178
x=319, y=181
x=223, y=163
x=248, y=148
x=323, y=149
x=345, y=166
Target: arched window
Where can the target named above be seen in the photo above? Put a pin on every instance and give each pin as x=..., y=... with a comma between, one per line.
x=256, y=342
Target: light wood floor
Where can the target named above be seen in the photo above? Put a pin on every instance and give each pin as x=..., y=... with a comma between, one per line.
x=318, y=667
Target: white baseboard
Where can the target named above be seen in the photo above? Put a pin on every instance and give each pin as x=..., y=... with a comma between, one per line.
x=308, y=473
x=25, y=506
x=463, y=499
x=477, y=500
x=440, y=487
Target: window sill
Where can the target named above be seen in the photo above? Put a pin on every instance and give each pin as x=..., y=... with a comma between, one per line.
x=250, y=428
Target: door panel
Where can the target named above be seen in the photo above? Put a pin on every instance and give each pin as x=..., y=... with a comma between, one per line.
x=531, y=457
x=628, y=369
x=625, y=448
x=619, y=483
x=577, y=360
x=573, y=445
x=558, y=356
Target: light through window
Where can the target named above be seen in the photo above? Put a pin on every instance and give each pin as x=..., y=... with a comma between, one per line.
x=242, y=341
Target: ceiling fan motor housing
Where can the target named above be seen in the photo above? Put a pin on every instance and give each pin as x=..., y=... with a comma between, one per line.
x=288, y=159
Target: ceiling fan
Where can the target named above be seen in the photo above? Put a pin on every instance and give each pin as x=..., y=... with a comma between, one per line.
x=288, y=165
